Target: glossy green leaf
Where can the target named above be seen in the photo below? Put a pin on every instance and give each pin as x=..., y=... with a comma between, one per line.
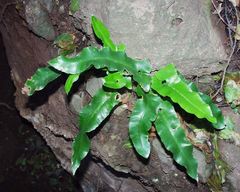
x=74, y=5
x=92, y=115
x=168, y=83
x=217, y=113
x=103, y=34
x=69, y=83
x=173, y=137
x=139, y=91
x=80, y=146
x=121, y=47
x=40, y=79
x=117, y=81
x=128, y=82
x=105, y=58
x=144, y=113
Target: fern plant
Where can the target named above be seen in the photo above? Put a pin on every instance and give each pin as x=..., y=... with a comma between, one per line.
x=150, y=109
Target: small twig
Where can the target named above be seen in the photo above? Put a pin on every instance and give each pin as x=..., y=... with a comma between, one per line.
x=7, y=106
x=225, y=69
x=230, y=56
x=231, y=38
x=221, y=18
x=4, y=9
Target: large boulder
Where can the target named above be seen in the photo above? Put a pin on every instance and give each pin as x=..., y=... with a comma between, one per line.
x=164, y=31
x=179, y=32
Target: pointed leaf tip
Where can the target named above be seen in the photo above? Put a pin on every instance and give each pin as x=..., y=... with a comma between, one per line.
x=173, y=137
x=167, y=82
x=217, y=113
x=80, y=147
x=41, y=78
x=92, y=115
x=103, y=34
x=144, y=113
x=70, y=81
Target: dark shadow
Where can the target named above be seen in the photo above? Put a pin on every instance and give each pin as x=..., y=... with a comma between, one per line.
x=80, y=173
x=41, y=97
x=84, y=77
x=193, y=120
x=179, y=167
x=27, y=163
x=99, y=42
x=140, y=158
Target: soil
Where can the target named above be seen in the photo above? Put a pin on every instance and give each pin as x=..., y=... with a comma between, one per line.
x=27, y=163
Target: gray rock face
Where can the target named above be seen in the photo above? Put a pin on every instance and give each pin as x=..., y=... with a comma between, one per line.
x=231, y=156
x=37, y=17
x=165, y=31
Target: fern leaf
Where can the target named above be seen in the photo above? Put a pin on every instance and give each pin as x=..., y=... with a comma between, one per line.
x=173, y=137
x=217, y=113
x=144, y=113
x=167, y=83
x=105, y=58
x=92, y=115
x=103, y=34
x=40, y=79
x=80, y=147
x=117, y=81
x=70, y=81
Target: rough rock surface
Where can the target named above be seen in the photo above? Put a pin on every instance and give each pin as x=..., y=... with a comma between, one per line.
x=178, y=31
x=37, y=17
x=231, y=155
x=53, y=115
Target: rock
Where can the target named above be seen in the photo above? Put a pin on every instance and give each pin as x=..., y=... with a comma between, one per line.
x=206, y=83
x=231, y=155
x=204, y=169
x=93, y=85
x=52, y=117
x=38, y=19
x=48, y=4
x=164, y=158
x=178, y=32
x=105, y=180
x=78, y=101
x=158, y=171
x=120, y=109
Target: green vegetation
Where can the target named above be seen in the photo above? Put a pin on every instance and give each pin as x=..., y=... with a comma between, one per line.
x=154, y=106
x=74, y=6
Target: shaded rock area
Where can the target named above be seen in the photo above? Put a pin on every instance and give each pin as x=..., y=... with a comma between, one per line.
x=28, y=28
x=27, y=163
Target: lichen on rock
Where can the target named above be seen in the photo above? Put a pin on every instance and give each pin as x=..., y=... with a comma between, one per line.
x=38, y=19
